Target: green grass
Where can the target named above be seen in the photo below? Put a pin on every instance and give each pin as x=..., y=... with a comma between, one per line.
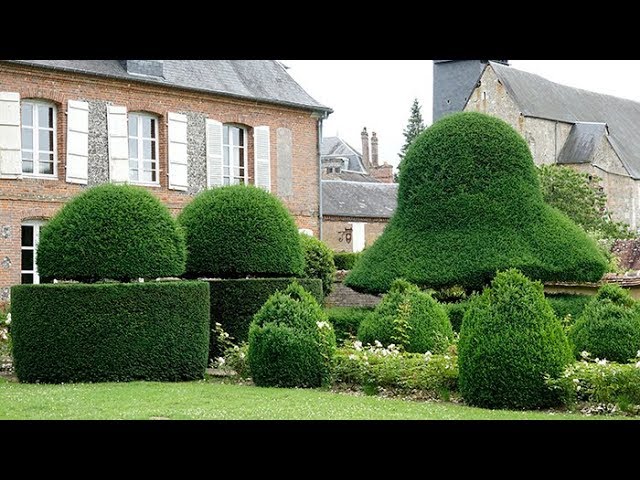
x=216, y=400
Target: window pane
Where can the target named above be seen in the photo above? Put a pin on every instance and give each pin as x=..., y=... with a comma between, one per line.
x=236, y=157
x=133, y=175
x=241, y=138
x=27, y=166
x=46, y=157
x=146, y=176
x=27, y=114
x=241, y=157
x=133, y=148
x=225, y=154
x=225, y=181
x=148, y=166
x=45, y=139
x=133, y=164
x=27, y=138
x=27, y=155
x=225, y=135
x=146, y=127
x=133, y=125
x=27, y=259
x=153, y=176
x=45, y=116
x=153, y=150
x=27, y=235
x=153, y=127
x=46, y=168
x=236, y=135
x=146, y=149
x=225, y=171
x=27, y=278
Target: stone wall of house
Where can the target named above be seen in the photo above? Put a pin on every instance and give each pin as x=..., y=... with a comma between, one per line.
x=333, y=229
x=294, y=148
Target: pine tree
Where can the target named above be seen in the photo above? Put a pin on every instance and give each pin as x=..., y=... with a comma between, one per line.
x=414, y=127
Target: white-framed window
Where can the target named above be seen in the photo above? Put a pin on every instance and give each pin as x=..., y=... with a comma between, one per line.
x=30, y=236
x=234, y=155
x=38, y=130
x=143, y=149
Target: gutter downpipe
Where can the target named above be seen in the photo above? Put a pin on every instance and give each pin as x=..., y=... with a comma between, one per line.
x=321, y=117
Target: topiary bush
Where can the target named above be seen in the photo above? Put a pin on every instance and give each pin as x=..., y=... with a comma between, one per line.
x=469, y=204
x=240, y=230
x=117, y=232
x=509, y=341
x=318, y=261
x=409, y=318
x=455, y=312
x=291, y=343
x=345, y=260
x=110, y=332
x=568, y=304
x=609, y=326
x=347, y=320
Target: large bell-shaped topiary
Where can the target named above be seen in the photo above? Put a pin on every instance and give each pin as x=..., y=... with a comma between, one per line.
x=469, y=204
x=117, y=232
x=240, y=230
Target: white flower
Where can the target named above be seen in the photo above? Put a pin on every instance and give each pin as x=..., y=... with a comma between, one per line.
x=576, y=380
x=427, y=356
x=352, y=357
x=377, y=344
x=8, y=321
x=638, y=365
x=585, y=354
x=323, y=324
x=220, y=361
x=241, y=355
x=601, y=362
x=357, y=345
x=9, y=318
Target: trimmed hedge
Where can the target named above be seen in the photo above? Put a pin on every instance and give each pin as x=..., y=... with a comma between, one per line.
x=110, y=332
x=568, y=304
x=455, y=312
x=291, y=343
x=234, y=302
x=345, y=260
x=469, y=204
x=346, y=320
x=118, y=232
x=318, y=261
x=409, y=318
x=510, y=339
x=240, y=230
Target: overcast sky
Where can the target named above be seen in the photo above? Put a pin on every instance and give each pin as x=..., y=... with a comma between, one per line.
x=377, y=94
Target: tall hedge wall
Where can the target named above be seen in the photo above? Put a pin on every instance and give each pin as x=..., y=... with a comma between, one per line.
x=110, y=332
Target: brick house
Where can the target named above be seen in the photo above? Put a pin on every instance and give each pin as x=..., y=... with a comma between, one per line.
x=175, y=127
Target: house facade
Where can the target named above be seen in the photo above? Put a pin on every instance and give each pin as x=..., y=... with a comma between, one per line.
x=588, y=131
x=173, y=127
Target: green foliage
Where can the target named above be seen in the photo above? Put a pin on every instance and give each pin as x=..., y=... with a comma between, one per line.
x=378, y=367
x=240, y=230
x=408, y=318
x=291, y=343
x=5, y=339
x=568, y=304
x=234, y=302
x=455, y=312
x=609, y=326
x=318, y=261
x=345, y=260
x=469, y=204
x=117, y=232
x=346, y=320
x=111, y=332
x=510, y=339
x=414, y=127
x=580, y=196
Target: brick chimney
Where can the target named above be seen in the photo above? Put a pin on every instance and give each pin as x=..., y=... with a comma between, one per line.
x=365, y=149
x=374, y=149
x=384, y=173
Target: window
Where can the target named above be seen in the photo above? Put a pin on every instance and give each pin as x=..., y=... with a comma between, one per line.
x=38, y=129
x=30, y=237
x=234, y=150
x=143, y=148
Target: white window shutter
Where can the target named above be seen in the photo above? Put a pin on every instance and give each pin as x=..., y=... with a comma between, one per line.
x=77, y=141
x=358, y=237
x=10, y=138
x=214, y=153
x=177, y=151
x=262, y=152
x=118, y=143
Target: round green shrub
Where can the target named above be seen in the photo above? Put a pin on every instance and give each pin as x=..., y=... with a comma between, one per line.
x=509, y=340
x=345, y=260
x=469, y=204
x=117, y=232
x=291, y=342
x=318, y=261
x=609, y=326
x=240, y=230
x=409, y=318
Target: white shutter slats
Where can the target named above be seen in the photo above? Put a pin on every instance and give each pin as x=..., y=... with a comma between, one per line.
x=178, y=172
x=77, y=141
x=118, y=143
x=262, y=152
x=10, y=138
x=214, y=153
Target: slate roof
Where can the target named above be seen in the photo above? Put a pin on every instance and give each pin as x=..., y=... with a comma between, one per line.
x=350, y=177
x=582, y=142
x=538, y=97
x=263, y=80
x=336, y=147
x=359, y=199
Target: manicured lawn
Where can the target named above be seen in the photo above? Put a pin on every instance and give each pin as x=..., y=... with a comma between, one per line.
x=215, y=400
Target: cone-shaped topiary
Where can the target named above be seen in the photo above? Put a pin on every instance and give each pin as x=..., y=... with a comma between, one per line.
x=318, y=261
x=240, y=230
x=409, y=318
x=509, y=340
x=291, y=341
x=469, y=204
x=609, y=326
x=117, y=232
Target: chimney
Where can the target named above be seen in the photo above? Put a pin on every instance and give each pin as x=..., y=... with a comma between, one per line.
x=383, y=173
x=374, y=149
x=365, y=148
x=149, y=68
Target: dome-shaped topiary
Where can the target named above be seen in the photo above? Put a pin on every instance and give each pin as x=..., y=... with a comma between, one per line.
x=469, y=204
x=240, y=230
x=291, y=341
x=117, y=232
x=409, y=318
x=318, y=261
x=609, y=326
x=509, y=340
